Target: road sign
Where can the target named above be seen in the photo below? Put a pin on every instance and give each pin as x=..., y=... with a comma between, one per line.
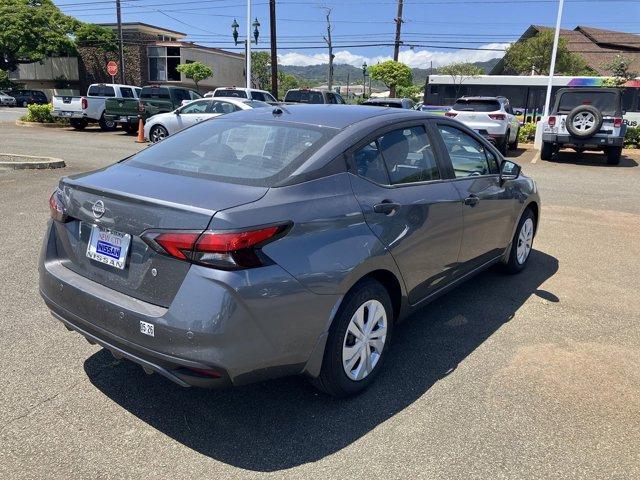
x=112, y=68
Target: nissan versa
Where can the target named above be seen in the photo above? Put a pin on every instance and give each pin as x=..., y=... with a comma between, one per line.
x=279, y=241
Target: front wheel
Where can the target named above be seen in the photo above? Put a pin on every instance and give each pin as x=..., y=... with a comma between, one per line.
x=358, y=341
x=158, y=133
x=547, y=151
x=522, y=243
x=613, y=155
x=78, y=123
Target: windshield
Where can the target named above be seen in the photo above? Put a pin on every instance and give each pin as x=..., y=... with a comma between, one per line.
x=476, y=105
x=606, y=102
x=255, y=153
x=230, y=92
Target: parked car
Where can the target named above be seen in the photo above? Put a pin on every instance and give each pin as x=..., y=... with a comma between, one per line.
x=162, y=125
x=7, y=100
x=91, y=108
x=154, y=99
x=248, y=93
x=492, y=117
x=25, y=98
x=281, y=241
x=312, y=95
x=390, y=102
x=585, y=119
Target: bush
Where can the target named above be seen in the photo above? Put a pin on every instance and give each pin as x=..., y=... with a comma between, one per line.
x=527, y=133
x=632, y=138
x=39, y=113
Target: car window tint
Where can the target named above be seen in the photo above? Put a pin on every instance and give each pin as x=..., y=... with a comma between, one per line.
x=468, y=156
x=370, y=164
x=408, y=155
x=292, y=96
x=339, y=99
x=257, y=96
x=315, y=97
x=195, y=107
x=222, y=107
x=494, y=167
x=269, y=98
x=230, y=92
x=179, y=95
x=126, y=92
x=155, y=92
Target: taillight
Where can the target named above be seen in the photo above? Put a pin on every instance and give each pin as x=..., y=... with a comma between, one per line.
x=552, y=121
x=497, y=116
x=56, y=207
x=617, y=122
x=84, y=103
x=450, y=114
x=219, y=249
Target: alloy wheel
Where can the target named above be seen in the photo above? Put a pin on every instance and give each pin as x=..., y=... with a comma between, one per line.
x=364, y=341
x=157, y=134
x=584, y=121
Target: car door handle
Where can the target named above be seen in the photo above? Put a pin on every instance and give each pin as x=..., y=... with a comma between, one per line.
x=387, y=207
x=471, y=200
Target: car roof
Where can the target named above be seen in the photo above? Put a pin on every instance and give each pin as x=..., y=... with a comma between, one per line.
x=327, y=115
x=480, y=98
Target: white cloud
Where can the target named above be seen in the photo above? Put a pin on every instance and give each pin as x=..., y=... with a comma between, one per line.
x=413, y=58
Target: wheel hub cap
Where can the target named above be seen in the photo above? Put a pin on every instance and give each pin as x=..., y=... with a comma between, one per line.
x=364, y=341
x=525, y=239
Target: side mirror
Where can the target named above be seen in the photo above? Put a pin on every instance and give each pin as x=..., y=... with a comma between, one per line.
x=509, y=171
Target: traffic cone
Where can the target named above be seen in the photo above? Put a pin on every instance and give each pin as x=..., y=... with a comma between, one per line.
x=140, y=138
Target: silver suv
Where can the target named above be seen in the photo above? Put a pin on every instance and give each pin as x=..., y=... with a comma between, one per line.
x=585, y=119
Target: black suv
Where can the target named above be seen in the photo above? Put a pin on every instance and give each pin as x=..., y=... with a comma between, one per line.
x=585, y=119
x=27, y=97
x=312, y=95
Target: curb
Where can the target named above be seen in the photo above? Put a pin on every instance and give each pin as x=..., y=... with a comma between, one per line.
x=20, y=123
x=29, y=162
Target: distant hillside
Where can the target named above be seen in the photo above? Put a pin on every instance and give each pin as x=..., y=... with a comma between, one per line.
x=314, y=75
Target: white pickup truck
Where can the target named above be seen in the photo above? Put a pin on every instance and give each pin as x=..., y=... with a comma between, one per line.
x=82, y=110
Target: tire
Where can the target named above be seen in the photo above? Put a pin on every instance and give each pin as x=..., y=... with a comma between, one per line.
x=584, y=121
x=514, y=144
x=25, y=104
x=503, y=148
x=107, y=125
x=130, y=128
x=78, y=123
x=547, y=151
x=366, y=296
x=158, y=133
x=522, y=243
x=613, y=155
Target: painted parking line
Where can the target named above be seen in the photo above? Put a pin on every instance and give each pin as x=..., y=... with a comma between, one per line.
x=536, y=157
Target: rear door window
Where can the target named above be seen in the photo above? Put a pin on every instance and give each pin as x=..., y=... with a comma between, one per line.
x=476, y=106
x=195, y=107
x=222, y=107
x=126, y=92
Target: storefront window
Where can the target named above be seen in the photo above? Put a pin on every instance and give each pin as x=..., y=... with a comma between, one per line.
x=162, y=64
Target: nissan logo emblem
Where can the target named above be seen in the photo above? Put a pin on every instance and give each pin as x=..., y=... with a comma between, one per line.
x=98, y=209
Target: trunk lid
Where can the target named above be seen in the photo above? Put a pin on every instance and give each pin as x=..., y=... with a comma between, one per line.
x=135, y=200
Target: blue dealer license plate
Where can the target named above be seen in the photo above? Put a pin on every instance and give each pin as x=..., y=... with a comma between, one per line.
x=108, y=247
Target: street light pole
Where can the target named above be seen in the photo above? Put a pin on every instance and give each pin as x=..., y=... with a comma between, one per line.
x=554, y=52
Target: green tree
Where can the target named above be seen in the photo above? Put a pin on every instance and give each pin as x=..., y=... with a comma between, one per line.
x=261, y=69
x=619, y=66
x=413, y=92
x=392, y=74
x=195, y=71
x=286, y=82
x=535, y=54
x=91, y=35
x=32, y=29
x=460, y=72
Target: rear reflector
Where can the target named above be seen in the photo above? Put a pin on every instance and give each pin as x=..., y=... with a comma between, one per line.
x=497, y=116
x=617, y=122
x=552, y=121
x=219, y=249
x=450, y=114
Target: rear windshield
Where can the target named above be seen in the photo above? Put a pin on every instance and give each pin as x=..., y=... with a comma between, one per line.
x=259, y=154
x=155, y=92
x=476, y=105
x=230, y=92
x=101, y=91
x=304, y=96
x=606, y=102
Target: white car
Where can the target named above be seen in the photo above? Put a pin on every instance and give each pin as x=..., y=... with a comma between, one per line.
x=249, y=93
x=162, y=125
x=491, y=117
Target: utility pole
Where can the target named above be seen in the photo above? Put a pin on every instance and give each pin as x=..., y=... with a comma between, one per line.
x=398, y=20
x=328, y=40
x=274, y=52
x=120, y=47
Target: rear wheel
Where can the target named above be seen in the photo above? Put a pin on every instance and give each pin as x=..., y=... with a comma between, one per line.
x=514, y=145
x=130, y=128
x=158, y=133
x=107, y=125
x=358, y=341
x=504, y=144
x=547, y=151
x=522, y=243
x=78, y=123
x=613, y=155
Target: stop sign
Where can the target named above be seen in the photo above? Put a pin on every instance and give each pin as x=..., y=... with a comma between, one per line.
x=112, y=68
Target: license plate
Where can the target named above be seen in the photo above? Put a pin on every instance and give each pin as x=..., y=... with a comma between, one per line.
x=147, y=328
x=108, y=247
x=66, y=114
x=124, y=119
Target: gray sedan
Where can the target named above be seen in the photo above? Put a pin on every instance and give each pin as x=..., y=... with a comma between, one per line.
x=7, y=100
x=280, y=241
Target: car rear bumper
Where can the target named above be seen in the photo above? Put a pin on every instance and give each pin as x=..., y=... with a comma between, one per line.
x=240, y=327
x=593, y=142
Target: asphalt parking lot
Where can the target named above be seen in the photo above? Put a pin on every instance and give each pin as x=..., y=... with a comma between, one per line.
x=528, y=376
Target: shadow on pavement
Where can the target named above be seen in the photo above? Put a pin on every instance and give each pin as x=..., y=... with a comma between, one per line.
x=284, y=423
x=592, y=159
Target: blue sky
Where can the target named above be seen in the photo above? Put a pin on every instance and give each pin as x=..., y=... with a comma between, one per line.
x=430, y=25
